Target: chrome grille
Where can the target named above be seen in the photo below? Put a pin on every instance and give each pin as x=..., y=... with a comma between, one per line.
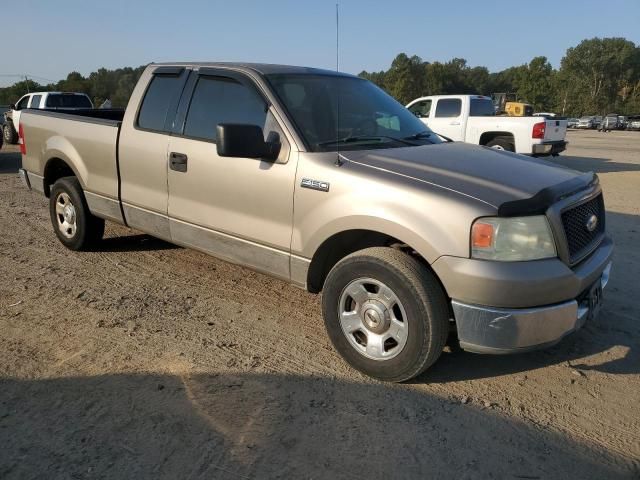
x=580, y=239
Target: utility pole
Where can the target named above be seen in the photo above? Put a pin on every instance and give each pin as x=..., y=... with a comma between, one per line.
x=26, y=79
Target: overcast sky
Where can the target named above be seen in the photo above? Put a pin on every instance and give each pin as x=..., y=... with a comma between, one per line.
x=51, y=38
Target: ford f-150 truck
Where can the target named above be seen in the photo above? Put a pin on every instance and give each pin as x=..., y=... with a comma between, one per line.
x=472, y=119
x=323, y=180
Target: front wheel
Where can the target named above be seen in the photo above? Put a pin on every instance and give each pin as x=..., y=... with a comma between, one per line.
x=72, y=221
x=385, y=313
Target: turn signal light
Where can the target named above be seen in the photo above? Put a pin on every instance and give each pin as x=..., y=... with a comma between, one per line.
x=481, y=235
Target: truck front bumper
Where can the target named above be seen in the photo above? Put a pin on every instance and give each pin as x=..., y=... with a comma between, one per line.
x=507, y=307
x=512, y=330
x=550, y=148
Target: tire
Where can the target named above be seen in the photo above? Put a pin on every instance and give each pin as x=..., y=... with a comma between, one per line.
x=72, y=221
x=502, y=144
x=9, y=133
x=407, y=291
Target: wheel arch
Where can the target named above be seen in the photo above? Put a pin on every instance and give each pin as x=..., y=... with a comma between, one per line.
x=56, y=168
x=487, y=137
x=345, y=242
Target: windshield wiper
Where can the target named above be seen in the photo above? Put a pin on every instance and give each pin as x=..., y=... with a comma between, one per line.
x=419, y=136
x=363, y=138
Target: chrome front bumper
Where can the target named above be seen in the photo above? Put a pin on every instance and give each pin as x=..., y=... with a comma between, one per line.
x=506, y=330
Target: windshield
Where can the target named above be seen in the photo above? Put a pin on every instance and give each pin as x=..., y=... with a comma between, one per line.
x=61, y=100
x=366, y=117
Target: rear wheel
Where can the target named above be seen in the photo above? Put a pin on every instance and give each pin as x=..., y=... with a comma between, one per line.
x=9, y=133
x=385, y=313
x=502, y=144
x=72, y=221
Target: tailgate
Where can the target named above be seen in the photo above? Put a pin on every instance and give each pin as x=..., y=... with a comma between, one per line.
x=555, y=130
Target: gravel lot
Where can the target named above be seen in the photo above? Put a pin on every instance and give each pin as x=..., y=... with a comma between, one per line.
x=145, y=360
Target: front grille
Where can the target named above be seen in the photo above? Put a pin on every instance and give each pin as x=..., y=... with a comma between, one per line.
x=575, y=220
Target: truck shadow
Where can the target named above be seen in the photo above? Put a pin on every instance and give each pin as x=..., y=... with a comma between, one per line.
x=138, y=242
x=271, y=426
x=594, y=164
x=10, y=162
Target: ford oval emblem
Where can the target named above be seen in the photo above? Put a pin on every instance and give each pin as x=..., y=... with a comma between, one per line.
x=592, y=223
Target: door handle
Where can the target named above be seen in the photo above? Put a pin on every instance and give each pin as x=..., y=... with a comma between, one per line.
x=454, y=123
x=178, y=162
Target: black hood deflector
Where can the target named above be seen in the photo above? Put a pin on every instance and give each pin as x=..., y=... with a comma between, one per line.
x=541, y=201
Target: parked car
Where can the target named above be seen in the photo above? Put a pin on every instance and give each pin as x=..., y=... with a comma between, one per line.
x=405, y=234
x=633, y=122
x=587, y=122
x=611, y=122
x=597, y=120
x=572, y=123
x=41, y=100
x=472, y=119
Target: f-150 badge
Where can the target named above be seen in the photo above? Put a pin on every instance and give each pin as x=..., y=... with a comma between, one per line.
x=315, y=184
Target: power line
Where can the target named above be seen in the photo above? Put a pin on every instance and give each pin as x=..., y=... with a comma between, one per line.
x=22, y=75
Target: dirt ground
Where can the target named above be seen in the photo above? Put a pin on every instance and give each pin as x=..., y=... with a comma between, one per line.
x=145, y=360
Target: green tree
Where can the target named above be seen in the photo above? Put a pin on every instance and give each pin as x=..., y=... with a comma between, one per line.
x=534, y=83
x=405, y=79
x=602, y=73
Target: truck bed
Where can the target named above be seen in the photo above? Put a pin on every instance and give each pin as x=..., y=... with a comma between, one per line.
x=86, y=139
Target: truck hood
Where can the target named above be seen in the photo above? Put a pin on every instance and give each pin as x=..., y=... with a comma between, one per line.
x=495, y=177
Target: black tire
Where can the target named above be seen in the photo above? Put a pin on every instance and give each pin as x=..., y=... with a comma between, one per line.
x=421, y=296
x=502, y=144
x=88, y=229
x=9, y=133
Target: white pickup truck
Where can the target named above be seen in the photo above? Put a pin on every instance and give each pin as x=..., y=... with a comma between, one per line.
x=472, y=119
x=41, y=101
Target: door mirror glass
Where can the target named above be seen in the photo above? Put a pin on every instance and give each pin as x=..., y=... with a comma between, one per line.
x=12, y=106
x=246, y=141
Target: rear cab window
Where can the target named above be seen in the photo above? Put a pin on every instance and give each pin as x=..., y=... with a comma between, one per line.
x=67, y=100
x=448, y=108
x=481, y=107
x=160, y=101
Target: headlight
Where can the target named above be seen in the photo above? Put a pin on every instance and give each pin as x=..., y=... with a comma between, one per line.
x=512, y=238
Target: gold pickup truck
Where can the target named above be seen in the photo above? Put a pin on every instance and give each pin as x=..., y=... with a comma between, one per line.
x=323, y=180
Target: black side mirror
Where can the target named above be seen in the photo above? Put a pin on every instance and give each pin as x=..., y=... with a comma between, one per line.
x=12, y=106
x=247, y=141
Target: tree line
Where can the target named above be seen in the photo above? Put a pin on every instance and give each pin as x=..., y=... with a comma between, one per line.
x=115, y=85
x=598, y=76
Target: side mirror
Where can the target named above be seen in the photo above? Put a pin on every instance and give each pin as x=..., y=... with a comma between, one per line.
x=246, y=141
x=12, y=106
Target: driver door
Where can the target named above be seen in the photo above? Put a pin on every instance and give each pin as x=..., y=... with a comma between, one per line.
x=238, y=209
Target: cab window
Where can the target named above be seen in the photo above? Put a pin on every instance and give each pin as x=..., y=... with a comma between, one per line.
x=35, y=101
x=24, y=101
x=218, y=100
x=448, y=107
x=421, y=109
x=163, y=92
